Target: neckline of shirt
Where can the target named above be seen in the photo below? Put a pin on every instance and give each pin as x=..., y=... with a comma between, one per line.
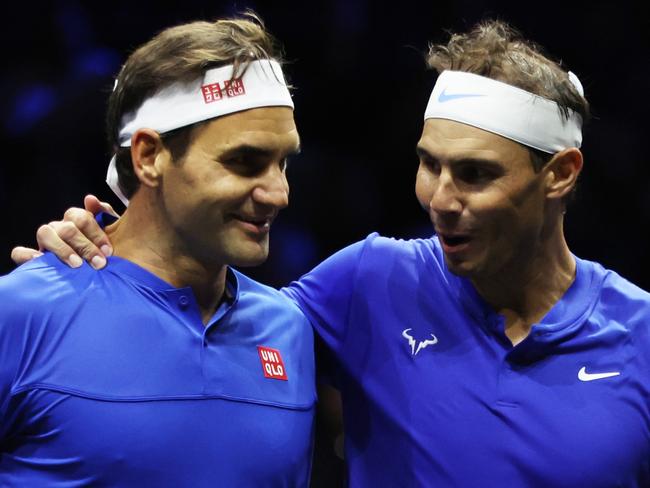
x=570, y=310
x=134, y=272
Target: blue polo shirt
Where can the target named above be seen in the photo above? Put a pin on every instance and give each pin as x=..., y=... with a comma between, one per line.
x=110, y=378
x=434, y=393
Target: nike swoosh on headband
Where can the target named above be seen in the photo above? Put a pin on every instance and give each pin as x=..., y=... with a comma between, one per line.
x=504, y=109
x=445, y=97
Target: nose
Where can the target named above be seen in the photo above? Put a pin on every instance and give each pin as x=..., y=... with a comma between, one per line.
x=446, y=197
x=272, y=189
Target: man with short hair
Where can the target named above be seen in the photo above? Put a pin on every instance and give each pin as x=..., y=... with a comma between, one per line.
x=168, y=367
x=488, y=355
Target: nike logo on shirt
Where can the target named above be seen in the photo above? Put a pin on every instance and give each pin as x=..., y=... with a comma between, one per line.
x=584, y=376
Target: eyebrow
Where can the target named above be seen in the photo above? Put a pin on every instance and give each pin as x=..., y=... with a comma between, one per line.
x=423, y=153
x=248, y=150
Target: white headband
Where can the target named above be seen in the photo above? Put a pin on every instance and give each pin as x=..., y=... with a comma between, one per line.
x=506, y=110
x=214, y=95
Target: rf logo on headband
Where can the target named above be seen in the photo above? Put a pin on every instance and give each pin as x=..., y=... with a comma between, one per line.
x=231, y=88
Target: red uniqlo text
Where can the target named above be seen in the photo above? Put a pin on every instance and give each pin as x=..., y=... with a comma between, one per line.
x=214, y=92
x=272, y=363
x=234, y=87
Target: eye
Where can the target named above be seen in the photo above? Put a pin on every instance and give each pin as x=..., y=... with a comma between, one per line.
x=243, y=165
x=473, y=174
x=235, y=160
x=433, y=165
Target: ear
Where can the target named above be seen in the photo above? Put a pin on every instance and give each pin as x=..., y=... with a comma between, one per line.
x=147, y=155
x=562, y=172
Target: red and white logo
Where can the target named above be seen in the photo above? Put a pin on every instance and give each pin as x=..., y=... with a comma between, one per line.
x=214, y=92
x=234, y=87
x=272, y=363
x=211, y=92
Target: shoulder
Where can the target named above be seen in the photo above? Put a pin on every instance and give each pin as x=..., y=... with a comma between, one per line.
x=616, y=290
x=371, y=264
x=43, y=289
x=264, y=312
x=263, y=298
x=621, y=302
x=406, y=248
x=41, y=280
x=376, y=248
x=620, y=320
x=29, y=295
x=378, y=253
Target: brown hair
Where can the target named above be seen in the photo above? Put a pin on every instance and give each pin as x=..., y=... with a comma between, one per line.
x=496, y=50
x=181, y=53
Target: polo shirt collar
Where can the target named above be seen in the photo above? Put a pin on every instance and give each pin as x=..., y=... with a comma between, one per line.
x=138, y=274
x=568, y=313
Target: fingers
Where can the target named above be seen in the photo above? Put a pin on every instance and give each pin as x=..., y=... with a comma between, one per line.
x=48, y=239
x=21, y=255
x=70, y=245
x=93, y=237
x=76, y=238
x=94, y=205
x=108, y=208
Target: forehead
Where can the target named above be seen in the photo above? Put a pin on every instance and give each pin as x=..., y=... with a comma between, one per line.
x=451, y=140
x=270, y=128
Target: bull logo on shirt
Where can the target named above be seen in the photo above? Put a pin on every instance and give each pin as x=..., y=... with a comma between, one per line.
x=420, y=344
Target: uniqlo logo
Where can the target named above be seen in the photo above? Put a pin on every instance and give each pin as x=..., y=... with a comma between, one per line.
x=211, y=92
x=234, y=88
x=231, y=88
x=272, y=363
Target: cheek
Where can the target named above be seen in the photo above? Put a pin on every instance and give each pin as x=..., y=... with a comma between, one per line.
x=423, y=188
x=207, y=187
x=510, y=228
x=181, y=181
x=496, y=220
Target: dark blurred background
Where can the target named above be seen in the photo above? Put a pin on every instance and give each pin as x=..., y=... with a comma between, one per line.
x=361, y=91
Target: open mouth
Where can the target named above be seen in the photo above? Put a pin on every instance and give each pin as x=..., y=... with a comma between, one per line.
x=454, y=241
x=452, y=244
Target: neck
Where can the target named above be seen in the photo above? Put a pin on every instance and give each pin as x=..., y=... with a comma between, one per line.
x=142, y=237
x=529, y=287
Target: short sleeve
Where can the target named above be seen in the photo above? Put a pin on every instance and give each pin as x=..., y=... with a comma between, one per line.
x=325, y=293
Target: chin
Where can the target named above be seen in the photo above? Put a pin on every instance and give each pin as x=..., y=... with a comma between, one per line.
x=463, y=269
x=248, y=262
x=246, y=252
x=248, y=259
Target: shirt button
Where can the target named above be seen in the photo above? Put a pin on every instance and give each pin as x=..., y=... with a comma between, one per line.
x=183, y=301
